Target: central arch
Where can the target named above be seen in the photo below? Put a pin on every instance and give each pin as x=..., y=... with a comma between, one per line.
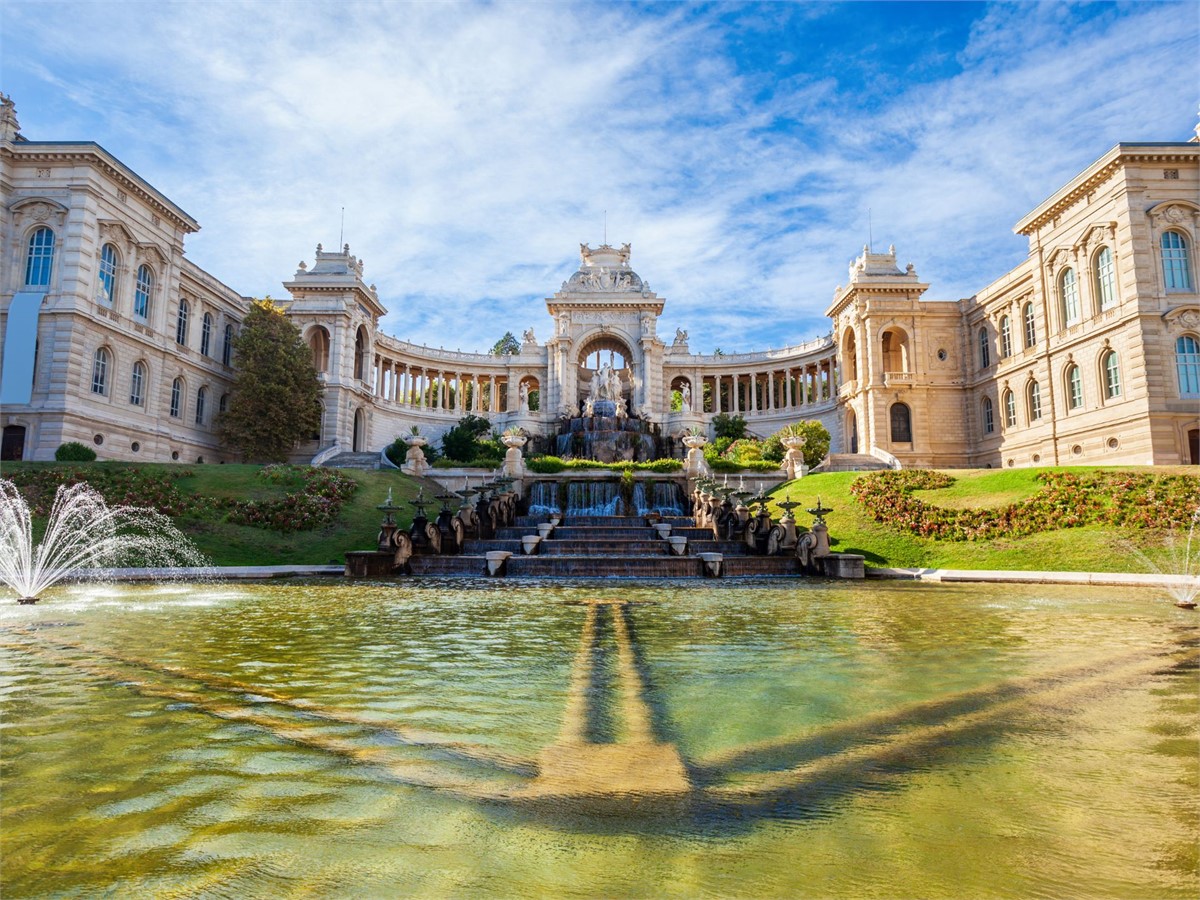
x=597, y=352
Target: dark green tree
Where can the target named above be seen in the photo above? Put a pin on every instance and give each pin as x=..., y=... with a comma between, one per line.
x=461, y=443
x=276, y=397
x=732, y=427
x=507, y=345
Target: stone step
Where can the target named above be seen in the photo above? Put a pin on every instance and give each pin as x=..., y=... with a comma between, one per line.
x=606, y=567
x=733, y=566
x=448, y=565
x=353, y=461
x=851, y=462
x=604, y=548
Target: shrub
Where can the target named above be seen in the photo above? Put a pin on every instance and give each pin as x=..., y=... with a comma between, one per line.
x=744, y=450
x=727, y=426
x=816, y=443
x=73, y=451
x=461, y=443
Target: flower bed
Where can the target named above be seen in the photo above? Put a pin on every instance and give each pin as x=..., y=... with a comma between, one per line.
x=317, y=500
x=153, y=489
x=1067, y=500
x=317, y=503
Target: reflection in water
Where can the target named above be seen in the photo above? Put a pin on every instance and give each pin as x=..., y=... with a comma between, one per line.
x=967, y=732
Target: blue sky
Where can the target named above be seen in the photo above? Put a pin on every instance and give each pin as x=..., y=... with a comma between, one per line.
x=738, y=147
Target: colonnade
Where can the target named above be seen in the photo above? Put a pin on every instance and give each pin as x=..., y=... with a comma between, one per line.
x=764, y=392
x=428, y=387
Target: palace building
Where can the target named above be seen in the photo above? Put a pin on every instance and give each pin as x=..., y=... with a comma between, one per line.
x=1086, y=353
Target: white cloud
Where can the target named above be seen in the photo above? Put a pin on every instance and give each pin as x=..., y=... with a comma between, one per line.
x=474, y=145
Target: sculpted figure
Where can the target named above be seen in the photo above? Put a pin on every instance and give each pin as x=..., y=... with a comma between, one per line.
x=681, y=336
x=528, y=336
x=588, y=409
x=523, y=394
x=614, y=385
x=687, y=398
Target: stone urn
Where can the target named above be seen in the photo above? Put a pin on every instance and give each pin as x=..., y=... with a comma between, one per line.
x=545, y=529
x=678, y=545
x=793, y=461
x=414, y=460
x=514, y=463
x=695, y=466
x=664, y=530
x=529, y=544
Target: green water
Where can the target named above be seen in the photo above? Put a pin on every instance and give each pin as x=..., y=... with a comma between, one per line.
x=312, y=740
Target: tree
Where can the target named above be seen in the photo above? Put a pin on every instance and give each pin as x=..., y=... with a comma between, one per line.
x=506, y=346
x=732, y=427
x=461, y=443
x=276, y=397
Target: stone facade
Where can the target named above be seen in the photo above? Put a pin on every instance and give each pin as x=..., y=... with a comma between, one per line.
x=100, y=302
x=1079, y=355
x=1086, y=353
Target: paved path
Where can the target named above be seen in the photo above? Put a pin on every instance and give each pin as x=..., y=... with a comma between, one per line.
x=1136, y=579
x=238, y=573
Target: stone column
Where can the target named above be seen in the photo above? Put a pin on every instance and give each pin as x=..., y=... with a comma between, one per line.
x=734, y=405
x=787, y=388
x=752, y=404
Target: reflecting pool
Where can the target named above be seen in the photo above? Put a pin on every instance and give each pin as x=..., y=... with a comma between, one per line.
x=602, y=739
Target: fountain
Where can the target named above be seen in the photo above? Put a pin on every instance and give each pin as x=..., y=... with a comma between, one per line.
x=83, y=533
x=1182, y=566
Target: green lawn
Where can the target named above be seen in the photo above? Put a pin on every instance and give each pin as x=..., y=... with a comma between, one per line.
x=1091, y=548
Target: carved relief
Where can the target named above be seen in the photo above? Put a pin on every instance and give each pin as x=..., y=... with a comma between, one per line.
x=1176, y=215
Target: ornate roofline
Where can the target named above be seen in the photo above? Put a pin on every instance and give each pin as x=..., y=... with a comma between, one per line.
x=89, y=151
x=1099, y=172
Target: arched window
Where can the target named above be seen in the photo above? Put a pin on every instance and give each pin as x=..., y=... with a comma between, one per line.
x=223, y=403
x=1030, y=327
x=1112, y=375
x=201, y=396
x=985, y=350
x=894, y=345
x=206, y=326
x=108, y=274
x=901, y=424
x=176, y=396
x=1005, y=337
x=850, y=345
x=227, y=347
x=40, y=261
x=181, y=322
x=1035, y=401
x=1068, y=292
x=985, y=415
x=1187, y=365
x=137, y=383
x=1106, y=278
x=1074, y=387
x=1010, y=409
x=318, y=343
x=360, y=354
x=100, y=364
x=1177, y=268
x=141, y=297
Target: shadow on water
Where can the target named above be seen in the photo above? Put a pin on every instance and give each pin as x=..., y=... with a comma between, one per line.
x=801, y=778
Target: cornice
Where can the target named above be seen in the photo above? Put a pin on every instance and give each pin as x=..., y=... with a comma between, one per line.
x=1101, y=171
x=94, y=154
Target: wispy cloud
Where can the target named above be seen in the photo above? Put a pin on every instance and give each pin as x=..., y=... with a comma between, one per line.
x=474, y=145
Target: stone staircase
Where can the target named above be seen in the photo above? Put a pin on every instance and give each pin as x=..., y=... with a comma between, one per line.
x=606, y=546
x=851, y=462
x=349, y=460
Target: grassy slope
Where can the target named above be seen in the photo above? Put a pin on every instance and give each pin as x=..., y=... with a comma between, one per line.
x=1078, y=549
x=233, y=545
x=1093, y=549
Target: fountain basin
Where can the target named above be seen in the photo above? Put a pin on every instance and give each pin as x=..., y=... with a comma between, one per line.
x=404, y=728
